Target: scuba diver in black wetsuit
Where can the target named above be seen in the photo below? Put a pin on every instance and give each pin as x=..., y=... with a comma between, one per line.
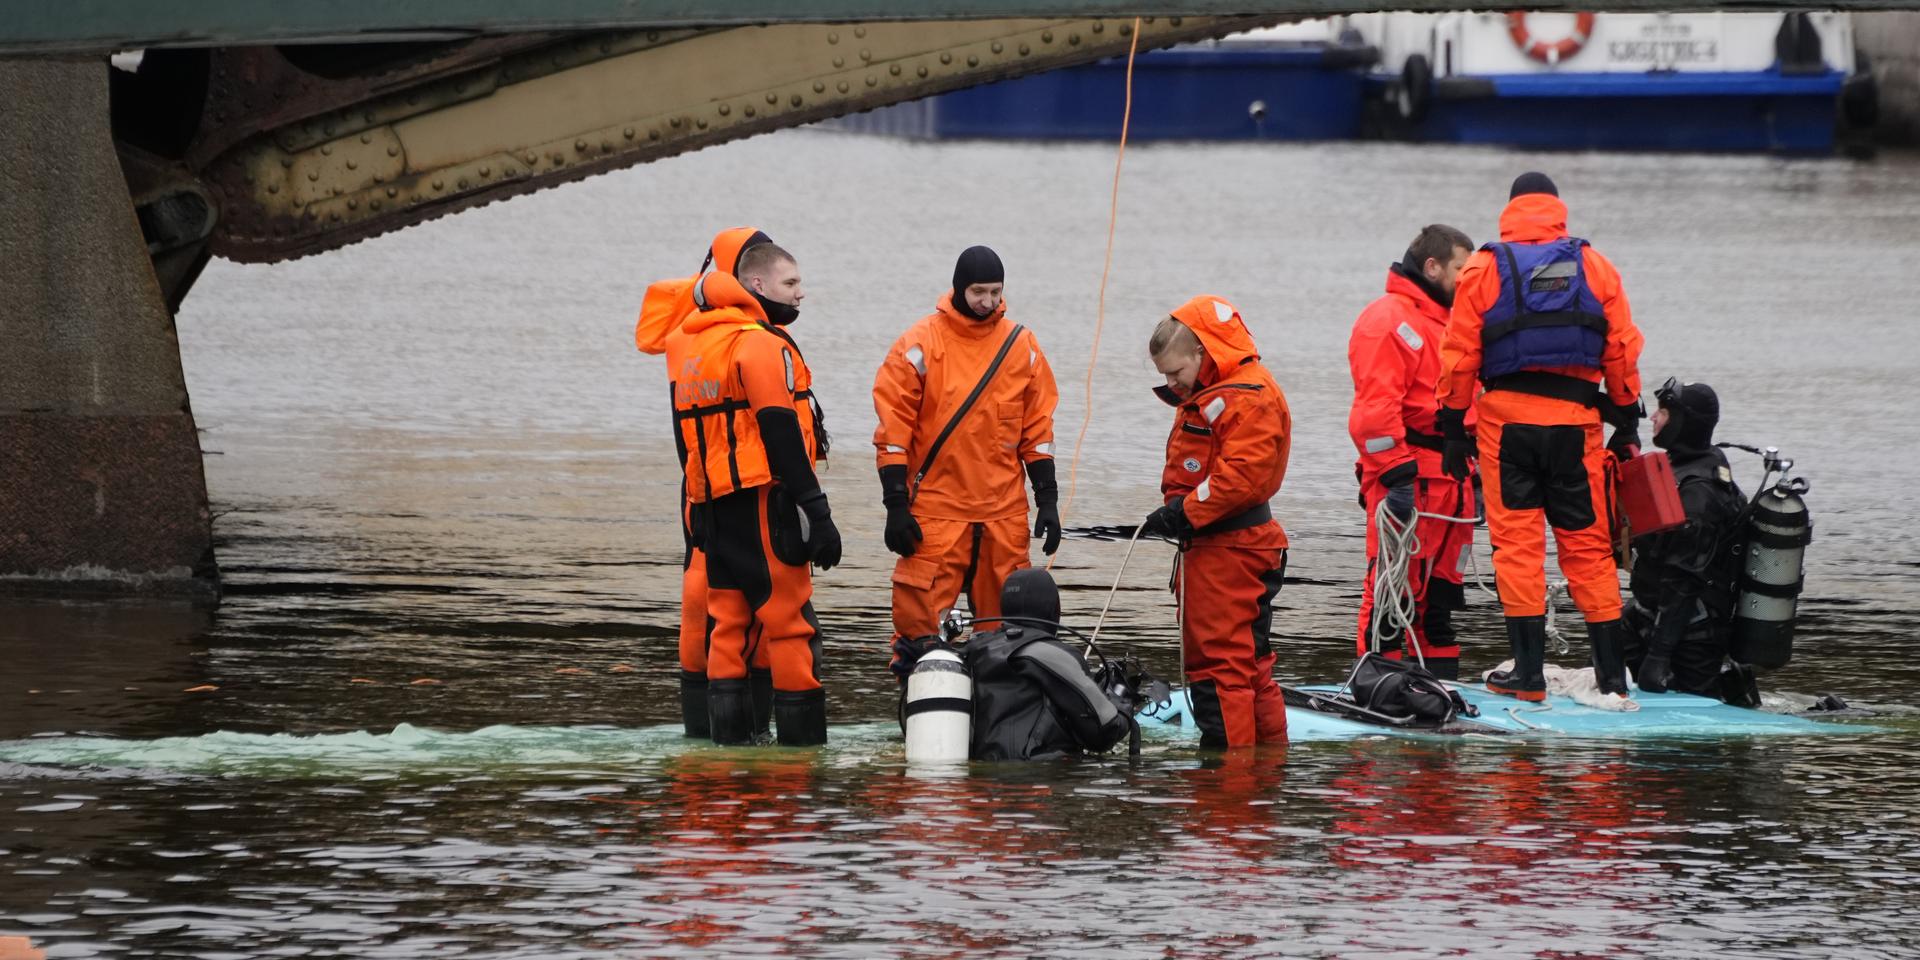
x=1685, y=580
x=1034, y=697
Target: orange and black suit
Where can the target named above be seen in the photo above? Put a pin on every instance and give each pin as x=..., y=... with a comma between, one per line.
x=743, y=406
x=1226, y=456
x=1394, y=354
x=665, y=306
x=970, y=503
x=1540, y=320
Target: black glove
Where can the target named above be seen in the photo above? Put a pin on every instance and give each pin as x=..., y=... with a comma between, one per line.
x=1399, y=484
x=823, y=538
x=1168, y=521
x=1625, y=442
x=902, y=530
x=1046, y=504
x=1458, y=447
x=1656, y=673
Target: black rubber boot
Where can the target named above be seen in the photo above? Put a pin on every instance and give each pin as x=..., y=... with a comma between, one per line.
x=1444, y=668
x=760, y=684
x=1527, y=639
x=730, y=712
x=693, y=704
x=1609, y=656
x=800, y=718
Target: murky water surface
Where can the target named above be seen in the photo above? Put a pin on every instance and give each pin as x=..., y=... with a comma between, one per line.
x=433, y=717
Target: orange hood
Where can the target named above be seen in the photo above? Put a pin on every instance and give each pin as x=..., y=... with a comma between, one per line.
x=720, y=294
x=1222, y=334
x=1533, y=218
x=724, y=253
x=668, y=303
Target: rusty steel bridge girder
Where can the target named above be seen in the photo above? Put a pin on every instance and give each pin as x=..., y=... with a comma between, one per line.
x=297, y=164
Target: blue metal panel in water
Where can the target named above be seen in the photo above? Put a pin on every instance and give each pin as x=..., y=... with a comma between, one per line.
x=1757, y=111
x=1308, y=93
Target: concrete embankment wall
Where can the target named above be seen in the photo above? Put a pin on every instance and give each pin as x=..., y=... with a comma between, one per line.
x=1892, y=41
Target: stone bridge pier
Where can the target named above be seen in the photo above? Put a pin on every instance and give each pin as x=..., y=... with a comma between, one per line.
x=101, y=484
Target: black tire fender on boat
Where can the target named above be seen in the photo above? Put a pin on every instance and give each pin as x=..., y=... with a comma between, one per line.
x=1414, y=92
x=1860, y=96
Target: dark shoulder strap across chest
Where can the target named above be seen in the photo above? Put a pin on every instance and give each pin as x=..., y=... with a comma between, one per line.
x=933, y=451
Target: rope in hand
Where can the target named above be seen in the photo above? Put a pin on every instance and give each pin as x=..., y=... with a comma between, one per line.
x=1116, y=584
x=1106, y=266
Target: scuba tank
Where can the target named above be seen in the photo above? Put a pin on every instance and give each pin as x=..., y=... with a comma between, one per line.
x=939, y=708
x=1777, y=529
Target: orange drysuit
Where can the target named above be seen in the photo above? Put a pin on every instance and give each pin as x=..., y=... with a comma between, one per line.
x=1394, y=354
x=1226, y=456
x=971, y=501
x=1543, y=456
x=664, y=307
x=730, y=368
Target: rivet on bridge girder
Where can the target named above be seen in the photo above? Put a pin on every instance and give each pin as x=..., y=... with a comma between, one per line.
x=833, y=37
x=326, y=150
x=795, y=100
x=748, y=110
x=772, y=99
x=998, y=47
x=485, y=170
x=819, y=86
x=366, y=137
x=894, y=69
x=580, y=146
x=702, y=124
x=839, y=62
x=628, y=133
x=1073, y=39
x=921, y=70
x=841, y=86
x=1024, y=49
x=872, y=80
x=972, y=60
x=653, y=134
x=393, y=192
x=866, y=56
x=462, y=184
x=860, y=32
x=725, y=109
x=1046, y=36
x=945, y=58
x=1099, y=27
x=439, y=184
x=393, y=151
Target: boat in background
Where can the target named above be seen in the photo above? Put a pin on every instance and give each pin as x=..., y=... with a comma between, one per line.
x=1304, y=81
x=1779, y=82
x=1726, y=82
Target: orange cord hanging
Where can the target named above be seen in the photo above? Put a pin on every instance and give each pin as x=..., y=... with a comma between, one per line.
x=1100, y=315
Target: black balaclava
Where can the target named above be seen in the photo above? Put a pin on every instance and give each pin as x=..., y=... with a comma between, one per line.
x=1692, y=412
x=1533, y=182
x=1415, y=271
x=779, y=314
x=976, y=265
x=1030, y=593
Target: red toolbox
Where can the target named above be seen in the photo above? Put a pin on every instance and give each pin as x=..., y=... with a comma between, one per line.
x=1648, y=495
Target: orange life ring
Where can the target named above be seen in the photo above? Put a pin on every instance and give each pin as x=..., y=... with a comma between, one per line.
x=1550, y=53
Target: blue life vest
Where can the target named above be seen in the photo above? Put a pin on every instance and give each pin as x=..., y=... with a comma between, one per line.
x=1546, y=316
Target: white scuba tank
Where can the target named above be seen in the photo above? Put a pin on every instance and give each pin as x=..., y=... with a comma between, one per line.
x=939, y=710
x=1778, y=532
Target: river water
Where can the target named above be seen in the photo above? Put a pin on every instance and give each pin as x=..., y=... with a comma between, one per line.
x=434, y=716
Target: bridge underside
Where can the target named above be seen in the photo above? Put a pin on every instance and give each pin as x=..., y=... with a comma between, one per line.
x=266, y=153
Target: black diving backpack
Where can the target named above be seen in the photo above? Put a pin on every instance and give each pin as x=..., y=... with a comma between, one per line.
x=1400, y=689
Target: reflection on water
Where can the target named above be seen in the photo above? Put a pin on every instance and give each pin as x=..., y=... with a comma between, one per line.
x=428, y=720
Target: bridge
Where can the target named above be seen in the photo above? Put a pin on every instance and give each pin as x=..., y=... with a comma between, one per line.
x=262, y=131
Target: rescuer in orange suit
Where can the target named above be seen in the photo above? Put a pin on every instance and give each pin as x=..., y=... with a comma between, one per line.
x=1226, y=456
x=1540, y=320
x=965, y=399
x=662, y=310
x=744, y=409
x=1394, y=353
